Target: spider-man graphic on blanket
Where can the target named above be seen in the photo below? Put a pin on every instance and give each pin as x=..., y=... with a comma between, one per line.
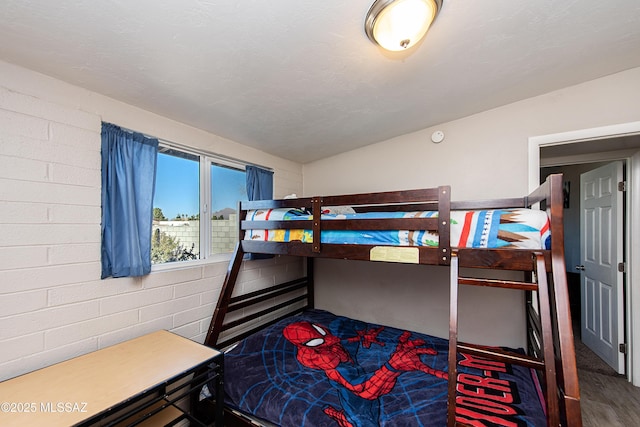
x=320, y=370
x=359, y=391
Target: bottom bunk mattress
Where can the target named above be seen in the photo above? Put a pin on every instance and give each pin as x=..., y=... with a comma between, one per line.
x=318, y=369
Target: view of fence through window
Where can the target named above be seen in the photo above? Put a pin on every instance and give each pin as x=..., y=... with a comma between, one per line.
x=177, y=230
x=228, y=186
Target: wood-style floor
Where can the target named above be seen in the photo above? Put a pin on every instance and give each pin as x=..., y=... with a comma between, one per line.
x=608, y=401
x=606, y=398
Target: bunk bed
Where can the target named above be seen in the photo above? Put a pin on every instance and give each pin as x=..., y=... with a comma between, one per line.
x=280, y=349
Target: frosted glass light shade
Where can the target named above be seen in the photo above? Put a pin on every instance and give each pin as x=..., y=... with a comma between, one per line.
x=399, y=24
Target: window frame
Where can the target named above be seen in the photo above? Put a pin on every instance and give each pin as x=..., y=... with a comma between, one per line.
x=206, y=160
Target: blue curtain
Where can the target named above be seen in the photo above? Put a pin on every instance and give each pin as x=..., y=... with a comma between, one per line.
x=128, y=183
x=259, y=183
x=259, y=187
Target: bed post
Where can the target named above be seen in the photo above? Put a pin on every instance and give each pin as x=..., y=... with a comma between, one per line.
x=569, y=375
x=444, y=228
x=310, y=288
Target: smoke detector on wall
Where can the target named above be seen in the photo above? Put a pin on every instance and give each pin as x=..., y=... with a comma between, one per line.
x=437, y=137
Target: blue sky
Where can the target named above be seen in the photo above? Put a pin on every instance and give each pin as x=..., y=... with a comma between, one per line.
x=177, y=190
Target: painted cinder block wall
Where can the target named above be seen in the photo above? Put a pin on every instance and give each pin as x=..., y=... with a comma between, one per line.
x=53, y=305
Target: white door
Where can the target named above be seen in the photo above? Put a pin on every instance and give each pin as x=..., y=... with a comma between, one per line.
x=601, y=222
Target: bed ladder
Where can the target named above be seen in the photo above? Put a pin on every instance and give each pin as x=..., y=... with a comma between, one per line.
x=545, y=363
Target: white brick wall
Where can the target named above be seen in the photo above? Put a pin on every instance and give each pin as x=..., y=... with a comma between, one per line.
x=53, y=305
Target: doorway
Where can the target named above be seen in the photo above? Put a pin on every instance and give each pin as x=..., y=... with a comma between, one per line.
x=602, y=145
x=597, y=314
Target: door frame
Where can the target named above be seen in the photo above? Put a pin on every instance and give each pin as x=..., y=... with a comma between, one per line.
x=632, y=303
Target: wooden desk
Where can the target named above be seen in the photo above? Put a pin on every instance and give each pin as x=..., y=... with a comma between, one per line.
x=118, y=381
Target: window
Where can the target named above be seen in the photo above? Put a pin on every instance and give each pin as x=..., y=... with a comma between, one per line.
x=188, y=185
x=228, y=186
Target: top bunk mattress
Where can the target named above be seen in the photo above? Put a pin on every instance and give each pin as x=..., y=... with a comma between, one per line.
x=492, y=229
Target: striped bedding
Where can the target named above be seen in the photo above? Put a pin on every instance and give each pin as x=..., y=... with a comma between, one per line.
x=506, y=228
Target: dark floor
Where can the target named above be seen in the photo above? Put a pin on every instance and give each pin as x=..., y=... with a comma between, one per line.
x=607, y=399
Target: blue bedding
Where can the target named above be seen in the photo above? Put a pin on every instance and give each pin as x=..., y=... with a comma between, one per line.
x=318, y=369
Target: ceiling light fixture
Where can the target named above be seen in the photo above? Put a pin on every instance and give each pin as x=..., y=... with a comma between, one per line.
x=399, y=24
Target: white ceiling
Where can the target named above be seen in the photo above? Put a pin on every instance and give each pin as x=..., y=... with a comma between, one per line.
x=300, y=79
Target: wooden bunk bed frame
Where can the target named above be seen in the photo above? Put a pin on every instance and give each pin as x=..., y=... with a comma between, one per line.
x=549, y=332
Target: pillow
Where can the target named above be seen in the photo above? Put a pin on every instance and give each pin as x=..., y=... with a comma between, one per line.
x=338, y=210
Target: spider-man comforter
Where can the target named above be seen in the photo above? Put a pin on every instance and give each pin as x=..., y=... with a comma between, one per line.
x=506, y=228
x=317, y=369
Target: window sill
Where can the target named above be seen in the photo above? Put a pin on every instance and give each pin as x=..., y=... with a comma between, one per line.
x=213, y=259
